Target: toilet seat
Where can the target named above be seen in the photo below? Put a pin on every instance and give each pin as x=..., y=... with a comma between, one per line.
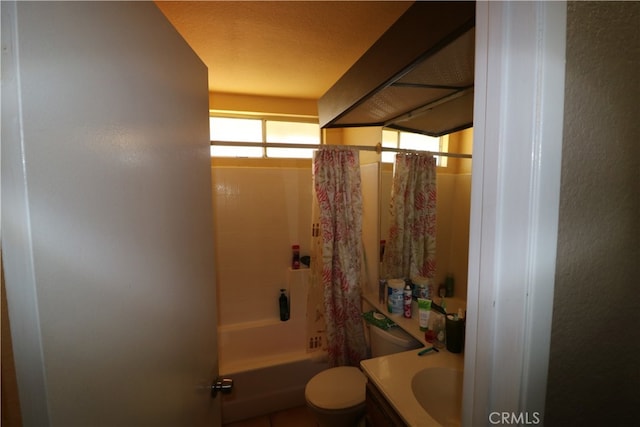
x=337, y=388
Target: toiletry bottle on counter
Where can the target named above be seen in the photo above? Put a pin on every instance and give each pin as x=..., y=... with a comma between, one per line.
x=437, y=328
x=382, y=291
x=395, y=297
x=407, y=302
x=424, y=310
x=284, y=305
x=295, y=262
x=422, y=287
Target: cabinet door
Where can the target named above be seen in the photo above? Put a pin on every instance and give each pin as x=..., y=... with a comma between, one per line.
x=379, y=411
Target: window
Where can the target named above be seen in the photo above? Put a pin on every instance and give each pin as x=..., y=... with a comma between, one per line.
x=235, y=130
x=413, y=141
x=229, y=133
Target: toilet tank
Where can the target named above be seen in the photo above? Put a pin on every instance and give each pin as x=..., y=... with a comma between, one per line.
x=390, y=341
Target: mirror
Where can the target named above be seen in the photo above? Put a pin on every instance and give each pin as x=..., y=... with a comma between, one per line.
x=453, y=213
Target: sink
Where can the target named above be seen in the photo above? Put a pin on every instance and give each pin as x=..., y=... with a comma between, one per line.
x=439, y=392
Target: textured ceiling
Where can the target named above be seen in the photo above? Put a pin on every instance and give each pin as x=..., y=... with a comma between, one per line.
x=292, y=49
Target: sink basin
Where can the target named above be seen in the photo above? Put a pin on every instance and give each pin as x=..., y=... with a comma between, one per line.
x=439, y=392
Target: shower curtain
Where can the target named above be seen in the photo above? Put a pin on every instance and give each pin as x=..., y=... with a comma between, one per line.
x=410, y=249
x=337, y=261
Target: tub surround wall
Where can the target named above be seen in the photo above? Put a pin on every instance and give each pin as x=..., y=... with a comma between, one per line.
x=258, y=214
x=252, y=345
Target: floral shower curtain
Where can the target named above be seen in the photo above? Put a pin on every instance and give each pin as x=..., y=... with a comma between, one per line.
x=336, y=265
x=410, y=250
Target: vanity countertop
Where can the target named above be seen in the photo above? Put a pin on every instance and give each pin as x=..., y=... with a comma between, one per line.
x=392, y=374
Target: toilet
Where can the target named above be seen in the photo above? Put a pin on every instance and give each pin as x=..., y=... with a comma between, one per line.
x=336, y=396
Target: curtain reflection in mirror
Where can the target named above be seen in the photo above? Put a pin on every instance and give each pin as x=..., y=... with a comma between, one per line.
x=410, y=248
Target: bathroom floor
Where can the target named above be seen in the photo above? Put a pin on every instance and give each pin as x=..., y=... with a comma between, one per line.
x=294, y=417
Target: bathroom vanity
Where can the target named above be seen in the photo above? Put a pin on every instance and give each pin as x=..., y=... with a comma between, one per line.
x=379, y=412
x=405, y=389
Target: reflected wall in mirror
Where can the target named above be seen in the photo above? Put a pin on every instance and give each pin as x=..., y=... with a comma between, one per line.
x=453, y=209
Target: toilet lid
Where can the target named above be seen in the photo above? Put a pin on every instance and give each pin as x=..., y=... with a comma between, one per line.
x=337, y=388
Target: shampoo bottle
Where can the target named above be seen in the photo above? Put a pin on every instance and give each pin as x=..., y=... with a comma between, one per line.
x=284, y=305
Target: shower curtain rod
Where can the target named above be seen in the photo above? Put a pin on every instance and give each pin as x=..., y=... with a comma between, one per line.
x=378, y=148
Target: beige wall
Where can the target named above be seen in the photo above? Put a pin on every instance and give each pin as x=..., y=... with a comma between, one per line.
x=594, y=366
x=460, y=142
x=263, y=104
x=368, y=136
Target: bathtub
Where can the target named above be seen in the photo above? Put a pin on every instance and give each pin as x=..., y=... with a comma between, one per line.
x=269, y=360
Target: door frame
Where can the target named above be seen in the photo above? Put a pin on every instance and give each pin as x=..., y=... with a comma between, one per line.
x=518, y=119
x=513, y=215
